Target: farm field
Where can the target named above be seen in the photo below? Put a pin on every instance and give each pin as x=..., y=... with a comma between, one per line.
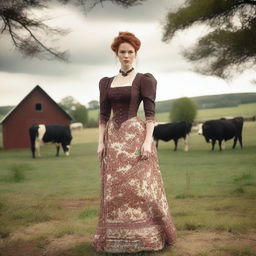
x=245, y=110
x=49, y=205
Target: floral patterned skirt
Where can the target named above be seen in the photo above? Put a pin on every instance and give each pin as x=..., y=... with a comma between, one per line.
x=134, y=214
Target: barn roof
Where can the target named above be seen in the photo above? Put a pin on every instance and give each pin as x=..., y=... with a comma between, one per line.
x=36, y=88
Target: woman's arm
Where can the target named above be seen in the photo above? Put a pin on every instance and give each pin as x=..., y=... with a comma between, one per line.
x=105, y=109
x=148, y=94
x=146, y=146
x=149, y=132
x=101, y=146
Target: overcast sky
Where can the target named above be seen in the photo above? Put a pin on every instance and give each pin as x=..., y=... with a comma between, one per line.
x=91, y=57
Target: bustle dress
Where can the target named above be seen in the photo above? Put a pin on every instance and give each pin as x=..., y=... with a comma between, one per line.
x=134, y=214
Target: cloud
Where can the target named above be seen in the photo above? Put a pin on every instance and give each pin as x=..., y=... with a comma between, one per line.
x=89, y=45
x=148, y=11
x=91, y=57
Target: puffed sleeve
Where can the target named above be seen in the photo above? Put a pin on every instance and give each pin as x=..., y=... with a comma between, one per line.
x=105, y=106
x=148, y=95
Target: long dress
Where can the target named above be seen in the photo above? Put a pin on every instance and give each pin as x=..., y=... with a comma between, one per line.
x=134, y=214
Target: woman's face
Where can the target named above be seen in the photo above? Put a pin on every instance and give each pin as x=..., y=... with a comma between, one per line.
x=126, y=55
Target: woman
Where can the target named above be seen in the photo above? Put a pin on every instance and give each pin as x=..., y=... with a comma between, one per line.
x=134, y=213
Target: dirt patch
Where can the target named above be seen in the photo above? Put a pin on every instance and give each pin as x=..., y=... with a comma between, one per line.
x=58, y=246
x=211, y=243
x=21, y=248
x=189, y=243
x=28, y=233
x=77, y=204
x=46, y=247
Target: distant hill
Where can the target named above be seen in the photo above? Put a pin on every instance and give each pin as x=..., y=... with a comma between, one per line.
x=203, y=102
x=212, y=101
x=4, y=110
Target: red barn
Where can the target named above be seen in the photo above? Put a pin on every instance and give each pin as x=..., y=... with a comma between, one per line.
x=36, y=108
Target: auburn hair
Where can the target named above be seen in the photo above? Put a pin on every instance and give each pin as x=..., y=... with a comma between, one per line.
x=125, y=37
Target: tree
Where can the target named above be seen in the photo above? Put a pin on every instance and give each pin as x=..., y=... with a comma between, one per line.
x=68, y=104
x=80, y=114
x=230, y=44
x=93, y=104
x=183, y=109
x=29, y=33
x=77, y=111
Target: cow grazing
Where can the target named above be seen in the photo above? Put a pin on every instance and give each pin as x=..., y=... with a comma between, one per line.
x=222, y=130
x=56, y=134
x=173, y=131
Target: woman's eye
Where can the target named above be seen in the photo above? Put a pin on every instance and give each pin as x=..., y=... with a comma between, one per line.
x=129, y=52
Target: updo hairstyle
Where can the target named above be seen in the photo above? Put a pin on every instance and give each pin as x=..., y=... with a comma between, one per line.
x=125, y=37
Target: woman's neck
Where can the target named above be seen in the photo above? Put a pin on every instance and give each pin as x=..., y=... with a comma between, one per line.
x=126, y=68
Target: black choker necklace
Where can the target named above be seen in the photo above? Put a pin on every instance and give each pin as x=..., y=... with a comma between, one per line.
x=126, y=73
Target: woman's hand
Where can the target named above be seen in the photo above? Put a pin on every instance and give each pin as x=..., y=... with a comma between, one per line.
x=100, y=150
x=145, y=150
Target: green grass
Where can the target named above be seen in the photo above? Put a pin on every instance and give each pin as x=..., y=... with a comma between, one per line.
x=245, y=110
x=90, y=213
x=58, y=198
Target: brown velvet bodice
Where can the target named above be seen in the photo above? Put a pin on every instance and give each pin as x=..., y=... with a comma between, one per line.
x=125, y=101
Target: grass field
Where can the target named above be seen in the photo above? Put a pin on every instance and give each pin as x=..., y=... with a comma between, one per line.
x=49, y=205
x=246, y=110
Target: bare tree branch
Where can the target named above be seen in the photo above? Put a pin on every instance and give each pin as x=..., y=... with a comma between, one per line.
x=15, y=15
x=55, y=53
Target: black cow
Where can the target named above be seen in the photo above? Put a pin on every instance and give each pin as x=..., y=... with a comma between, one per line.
x=57, y=134
x=222, y=129
x=173, y=131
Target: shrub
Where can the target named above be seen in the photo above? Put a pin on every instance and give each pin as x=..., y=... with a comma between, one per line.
x=183, y=109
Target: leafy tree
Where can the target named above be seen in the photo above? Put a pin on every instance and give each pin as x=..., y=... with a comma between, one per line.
x=183, y=109
x=68, y=104
x=230, y=44
x=29, y=33
x=93, y=104
x=80, y=114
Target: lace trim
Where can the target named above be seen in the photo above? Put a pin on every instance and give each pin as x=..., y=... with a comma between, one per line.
x=150, y=120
